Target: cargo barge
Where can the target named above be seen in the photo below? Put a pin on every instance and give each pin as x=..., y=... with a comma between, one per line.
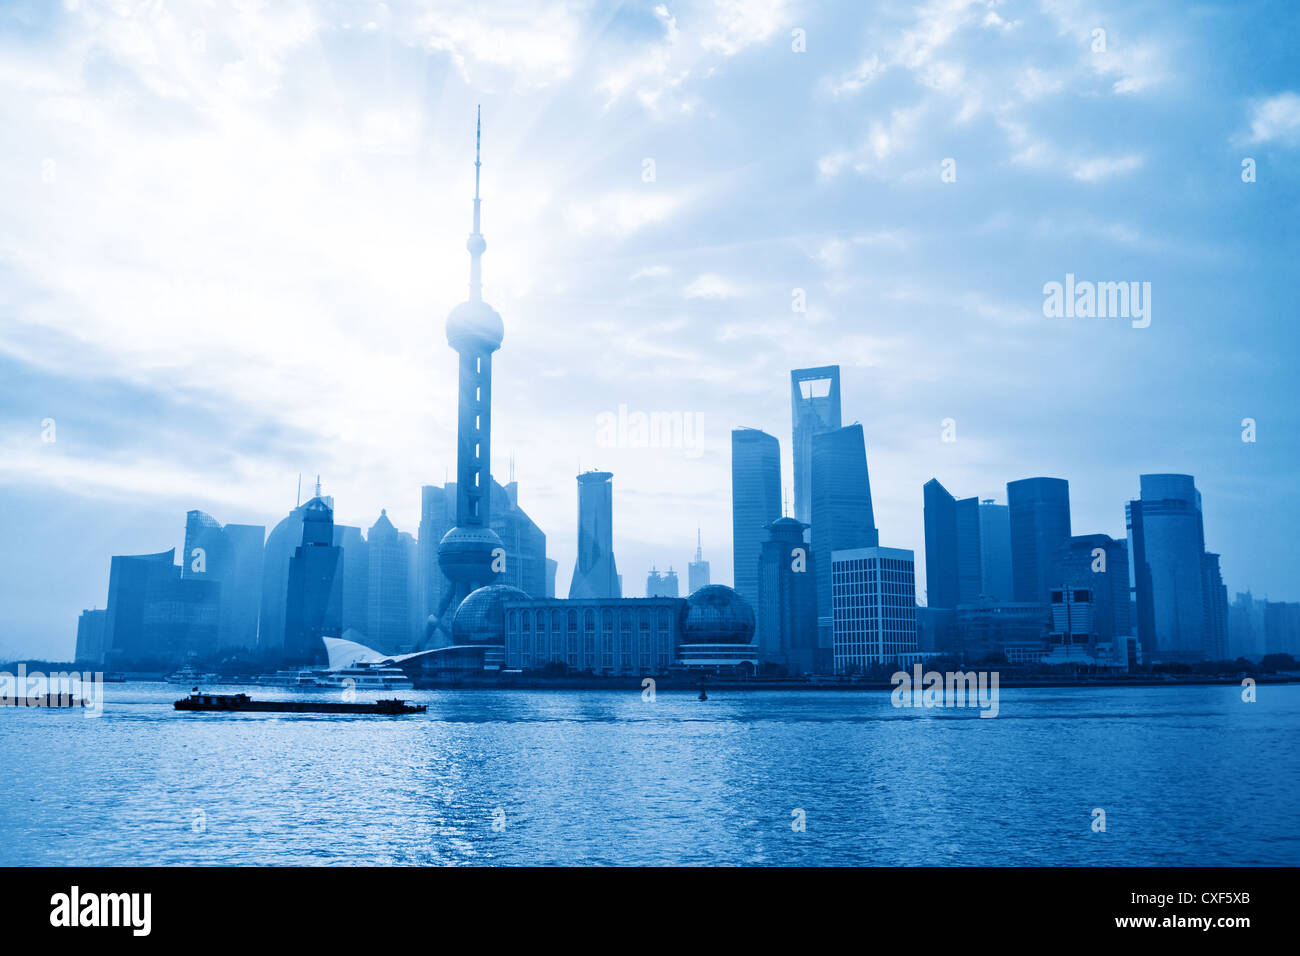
x=242, y=702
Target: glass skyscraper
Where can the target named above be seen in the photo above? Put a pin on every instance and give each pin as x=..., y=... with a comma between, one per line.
x=1181, y=602
x=755, y=503
x=842, y=517
x=1040, y=523
x=595, y=574
x=815, y=408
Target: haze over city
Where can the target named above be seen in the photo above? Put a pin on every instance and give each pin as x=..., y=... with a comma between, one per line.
x=226, y=260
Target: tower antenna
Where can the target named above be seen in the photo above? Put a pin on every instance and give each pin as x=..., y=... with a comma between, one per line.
x=298, y=503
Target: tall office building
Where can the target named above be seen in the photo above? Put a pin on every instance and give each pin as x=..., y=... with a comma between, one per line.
x=281, y=543
x=1097, y=564
x=967, y=549
x=313, y=604
x=842, y=517
x=388, y=591
x=1040, y=523
x=552, y=568
x=1181, y=603
x=815, y=408
x=995, y=551
x=90, y=637
x=155, y=617
x=437, y=517
x=230, y=557
x=953, y=548
x=755, y=503
x=787, y=601
x=698, y=571
x=524, y=541
x=1246, y=627
x=475, y=330
x=1216, y=608
x=353, y=583
x=873, y=607
x=594, y=573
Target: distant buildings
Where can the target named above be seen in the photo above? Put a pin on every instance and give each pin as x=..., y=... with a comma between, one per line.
x=787, y=601
x=594, y=573
x=1040, y=523
x=755, y=502
x=873, y=607
x=698, y=571
x=661, y=585
x=391, y=565
x=842, y=516
x=232, y=557
x=90, y=637
x=815, y=408
x=1181, y=600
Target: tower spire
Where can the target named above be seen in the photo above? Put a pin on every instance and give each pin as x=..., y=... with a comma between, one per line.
x=476, y=243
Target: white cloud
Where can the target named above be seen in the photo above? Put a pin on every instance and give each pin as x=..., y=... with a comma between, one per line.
x=1276, y=118
x=710, y=285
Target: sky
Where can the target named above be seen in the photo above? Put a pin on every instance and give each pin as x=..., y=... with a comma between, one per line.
x=230, y=235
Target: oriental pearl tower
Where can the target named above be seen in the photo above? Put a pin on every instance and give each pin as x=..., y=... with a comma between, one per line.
x=468, y=551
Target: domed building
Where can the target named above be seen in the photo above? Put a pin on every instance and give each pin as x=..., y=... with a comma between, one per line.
x=481, y=617
x=717, y=614
x=718, y=631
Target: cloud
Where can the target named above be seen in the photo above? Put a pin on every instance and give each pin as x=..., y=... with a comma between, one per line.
x=712, y=286
x=1276, y=119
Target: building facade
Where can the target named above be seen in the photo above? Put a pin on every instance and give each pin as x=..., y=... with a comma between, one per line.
x=815, y=408
x=873, y=607
x=595, y=573
x=842, y=516
x=755, y=502
x=611, y=636
x=787, y=601
x=1040, y=523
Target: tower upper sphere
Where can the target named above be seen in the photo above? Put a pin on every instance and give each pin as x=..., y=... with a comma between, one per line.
x=474, y=326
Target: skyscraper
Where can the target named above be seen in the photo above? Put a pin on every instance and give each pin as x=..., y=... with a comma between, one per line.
x=787, y=601
x=281, y=543
x=842, y=516
x=1040, y=523
x=995, y=551
x=313, y=604
x=1174, y=580
x=755, y=503
x=595, y=574
x=874, y=607
x=156, y=617
x=940, y=545
x=474, y=329
x=388, y=614
x=698, y=570
x=230, y=557
x=354, y=581
x=1098, y=564
x=815, y=408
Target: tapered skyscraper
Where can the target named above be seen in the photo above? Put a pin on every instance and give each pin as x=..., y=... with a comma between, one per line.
x=815, y=408
x=475, y=330
x=595, y=574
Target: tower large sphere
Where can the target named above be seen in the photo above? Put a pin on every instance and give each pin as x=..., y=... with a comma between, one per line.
x=717, y=614
x=475, y=327
x=465, y=554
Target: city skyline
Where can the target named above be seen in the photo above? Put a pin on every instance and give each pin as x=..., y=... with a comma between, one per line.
x=246, y=368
